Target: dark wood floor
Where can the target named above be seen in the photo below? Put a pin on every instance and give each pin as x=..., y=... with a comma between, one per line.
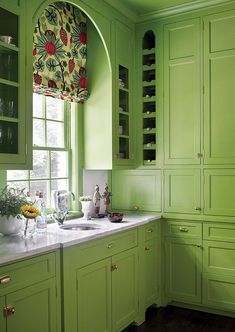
x=173, y=319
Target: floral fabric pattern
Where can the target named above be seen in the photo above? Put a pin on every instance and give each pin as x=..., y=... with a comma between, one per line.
x=59, y=66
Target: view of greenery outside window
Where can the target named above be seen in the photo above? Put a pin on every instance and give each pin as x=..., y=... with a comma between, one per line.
x=51, y=149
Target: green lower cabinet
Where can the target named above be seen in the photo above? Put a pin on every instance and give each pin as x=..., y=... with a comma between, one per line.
x=124, y=289
x=3, y=323
x=183, y=263
x=219, y=291
x=151, y=272
x=94, y=297
x=35, y=308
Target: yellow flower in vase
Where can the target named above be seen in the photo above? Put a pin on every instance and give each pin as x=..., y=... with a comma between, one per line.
x=29, y=212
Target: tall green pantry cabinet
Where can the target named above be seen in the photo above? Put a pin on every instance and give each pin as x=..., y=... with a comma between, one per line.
x=15, y=140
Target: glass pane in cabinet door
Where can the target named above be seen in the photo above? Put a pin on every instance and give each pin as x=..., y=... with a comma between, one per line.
x=8, y=137
x=40, y=165
x=123, y=101
x=8, y=27
x=123, y=148
x=8, y=101
x=123, y=77
x=9, y=64
x=123, y=124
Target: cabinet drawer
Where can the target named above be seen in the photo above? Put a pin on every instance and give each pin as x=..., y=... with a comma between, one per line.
x=151, y=231
x=219, y=232
x=90, y=252
x=219, y=291
x=27, y=272
x=181, y=228
x=219, y=257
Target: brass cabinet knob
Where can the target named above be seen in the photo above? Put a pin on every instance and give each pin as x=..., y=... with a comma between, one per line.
x=198, y=208
x=199, y=155
x=149, y=230
x=109, y=246
x=9, y=310
x=198, y=246
x=147, y=248
x=183, y=229
x=114, y=267
x=5, y=280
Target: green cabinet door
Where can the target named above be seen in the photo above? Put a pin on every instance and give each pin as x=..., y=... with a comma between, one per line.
x=124, y=289
x=219, y=62
x=219, y=188
x=151, y=272
x=182, y=191
x=35, y=308
x=3, y=323
x=136, y=190
x=183, y=269
x=94, y=297
x=182, y=100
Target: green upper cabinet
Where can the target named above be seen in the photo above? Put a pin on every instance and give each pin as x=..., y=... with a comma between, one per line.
x=182, y=191
x=219, y=58
x=182, y=97
x=123, y=104
x=13, y=109
x=136, y=190
x=219, y=190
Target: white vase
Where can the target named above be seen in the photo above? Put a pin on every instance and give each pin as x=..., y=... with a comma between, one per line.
x=10, y=225
x=86, y=209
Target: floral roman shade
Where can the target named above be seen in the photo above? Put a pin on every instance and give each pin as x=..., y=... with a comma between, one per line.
x=59, y=53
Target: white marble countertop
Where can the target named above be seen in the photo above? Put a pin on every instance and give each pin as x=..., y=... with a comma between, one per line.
x=15, y=247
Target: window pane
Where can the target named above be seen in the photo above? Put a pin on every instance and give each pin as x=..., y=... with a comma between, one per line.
x=42, y=186
x=38, y=132
x=55, y=134
x=38, y=109
x=40, y=165
x=19, y=184
x=17, y=175
x=59, y=164
x=55, y=109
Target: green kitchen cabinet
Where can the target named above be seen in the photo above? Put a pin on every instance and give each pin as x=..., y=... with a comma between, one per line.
x=101, y=284
x=219, y=99
x=219, y=266
x=182, y=191
x=123, y=117
x=219, y=189
x=182, y=93
x=29, y=295
x=94, y=297
x=15, y=140
x=183, y=261
x=136, y=190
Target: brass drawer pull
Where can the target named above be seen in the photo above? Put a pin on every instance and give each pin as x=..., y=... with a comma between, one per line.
x=149, y=230
x=114, y=267
x=110, y=245
x=5, y=280
x=147, y=248
x=9, y=310
x=183, y=229
x=198, y=246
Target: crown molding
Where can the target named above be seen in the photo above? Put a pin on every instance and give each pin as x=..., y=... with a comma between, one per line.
x=123, y=9
x=194, y=5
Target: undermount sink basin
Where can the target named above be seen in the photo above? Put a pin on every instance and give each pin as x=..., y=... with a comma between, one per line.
x=81, y=227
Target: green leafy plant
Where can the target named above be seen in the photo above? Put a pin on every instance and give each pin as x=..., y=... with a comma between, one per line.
x=11, y=201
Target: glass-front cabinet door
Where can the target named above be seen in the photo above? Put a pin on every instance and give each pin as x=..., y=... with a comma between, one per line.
x=12, y=81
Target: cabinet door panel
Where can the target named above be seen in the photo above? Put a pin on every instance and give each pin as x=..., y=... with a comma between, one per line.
x=219, y=291
x=220, y=192
x=94, y=297
x=182, y=191
x=219, y=257
x=124, y=289
x=182, y=92
x=3, y=322
x=183, y=270
x=219, y=98
x=35, y=308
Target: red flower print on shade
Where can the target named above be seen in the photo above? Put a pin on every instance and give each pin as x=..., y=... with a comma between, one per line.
x=63, y=36
x=82, y=37
x=37, y=78
x=82, y=82
x=71, y=40
x=34, y=51
x=52, y=84
x=71, y=65
x=50, y=47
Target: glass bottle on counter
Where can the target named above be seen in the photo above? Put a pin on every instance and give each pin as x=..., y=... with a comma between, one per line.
x=41, y=224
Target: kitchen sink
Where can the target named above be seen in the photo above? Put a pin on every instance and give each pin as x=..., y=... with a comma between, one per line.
x=81, y=227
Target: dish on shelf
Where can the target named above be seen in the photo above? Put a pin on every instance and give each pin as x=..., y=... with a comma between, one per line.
x=6, y=39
